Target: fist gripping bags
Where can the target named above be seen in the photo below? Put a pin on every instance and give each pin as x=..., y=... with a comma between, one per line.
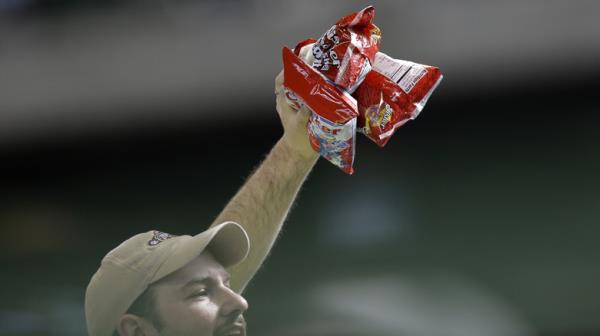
x=385, y=92
x=332, y=125
x=332, y=67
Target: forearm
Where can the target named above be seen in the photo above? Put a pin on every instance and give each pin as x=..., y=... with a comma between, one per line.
x=263, y=202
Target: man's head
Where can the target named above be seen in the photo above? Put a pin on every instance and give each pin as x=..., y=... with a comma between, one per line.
x=158, y=284
x=194, y=300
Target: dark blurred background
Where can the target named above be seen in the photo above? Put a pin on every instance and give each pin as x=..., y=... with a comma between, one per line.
x=481, y=217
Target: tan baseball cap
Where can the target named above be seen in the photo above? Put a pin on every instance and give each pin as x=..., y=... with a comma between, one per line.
x=126, y=271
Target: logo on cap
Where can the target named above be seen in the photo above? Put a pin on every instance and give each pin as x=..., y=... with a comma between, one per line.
x=159, y=237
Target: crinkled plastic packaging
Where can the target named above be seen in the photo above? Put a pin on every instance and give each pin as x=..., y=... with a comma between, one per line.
x=393, y=93
x=345, y=52
x=332, y=125
x=343, y=57
x=350, y=87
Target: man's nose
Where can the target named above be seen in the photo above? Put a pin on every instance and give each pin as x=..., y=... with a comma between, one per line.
x=233, y=303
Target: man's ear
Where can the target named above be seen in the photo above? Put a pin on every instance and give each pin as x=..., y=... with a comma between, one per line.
x=133, y=325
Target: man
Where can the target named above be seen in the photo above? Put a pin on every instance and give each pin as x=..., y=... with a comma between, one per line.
x=158, y=284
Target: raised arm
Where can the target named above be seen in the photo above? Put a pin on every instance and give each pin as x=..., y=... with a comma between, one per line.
x=263, y=202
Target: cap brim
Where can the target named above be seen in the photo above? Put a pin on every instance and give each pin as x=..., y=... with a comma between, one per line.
x=228, y=242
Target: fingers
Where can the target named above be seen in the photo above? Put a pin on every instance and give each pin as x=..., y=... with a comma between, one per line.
x=279, y=99
x=284, y=108
x=282, y=105
x=279, y=82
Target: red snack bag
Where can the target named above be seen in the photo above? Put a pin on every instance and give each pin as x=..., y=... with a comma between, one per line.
x=393, y=93
x=345, y=52
x=332, y=125
x=302, y=50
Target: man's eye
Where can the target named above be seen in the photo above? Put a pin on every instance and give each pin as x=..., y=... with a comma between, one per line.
x=199, y=293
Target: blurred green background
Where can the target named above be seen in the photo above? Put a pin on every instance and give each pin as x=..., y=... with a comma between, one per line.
x=478, y=218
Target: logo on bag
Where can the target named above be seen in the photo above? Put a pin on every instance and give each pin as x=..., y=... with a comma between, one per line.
x=323, y=51
x=159, y=237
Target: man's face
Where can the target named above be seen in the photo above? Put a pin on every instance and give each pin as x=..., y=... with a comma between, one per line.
x=196, y=300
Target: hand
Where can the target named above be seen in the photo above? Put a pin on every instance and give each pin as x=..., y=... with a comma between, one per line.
x=294, y=122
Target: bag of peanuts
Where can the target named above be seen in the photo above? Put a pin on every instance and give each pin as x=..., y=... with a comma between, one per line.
x=393, y=93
